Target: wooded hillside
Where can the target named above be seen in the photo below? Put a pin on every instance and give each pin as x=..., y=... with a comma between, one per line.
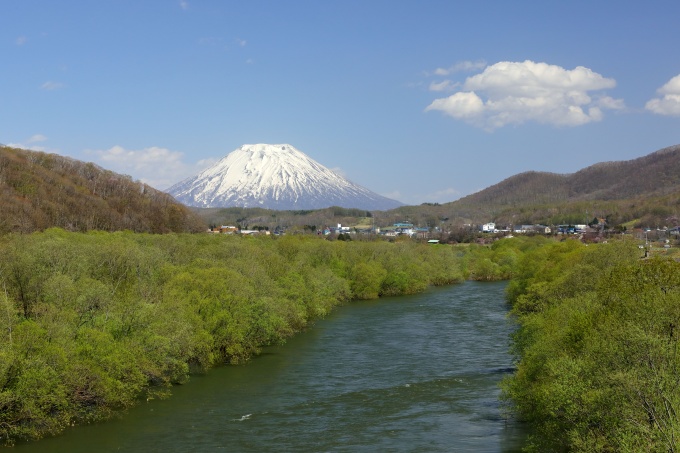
x=656, y=174
x=41, y=190
x=613, y=186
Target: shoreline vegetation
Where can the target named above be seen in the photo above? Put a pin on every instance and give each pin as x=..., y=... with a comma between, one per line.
x=93, y=323
x=598, y=347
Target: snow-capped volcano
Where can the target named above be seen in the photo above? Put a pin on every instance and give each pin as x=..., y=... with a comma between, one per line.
x=275, y=177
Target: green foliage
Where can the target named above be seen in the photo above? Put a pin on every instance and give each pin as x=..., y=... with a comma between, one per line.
x=367, y=278
x=90, y=323
x=501, y=260
x=598, y=346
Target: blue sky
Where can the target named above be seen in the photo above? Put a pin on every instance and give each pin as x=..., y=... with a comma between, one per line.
x=422, y=101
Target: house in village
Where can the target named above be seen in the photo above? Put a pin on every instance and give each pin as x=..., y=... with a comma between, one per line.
x=489, y=228
x=340, y=229
x=404, y=228
x=254, y=232
x=540, y=229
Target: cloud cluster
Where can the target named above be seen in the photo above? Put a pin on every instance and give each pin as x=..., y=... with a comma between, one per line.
x=518, y=92
x=155, y=166
x=669, y=102
x=31, y=144
x=37, y=138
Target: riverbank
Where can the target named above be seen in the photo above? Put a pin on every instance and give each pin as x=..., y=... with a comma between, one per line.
x=92, y=323
x=377, y=375
x=598, y=348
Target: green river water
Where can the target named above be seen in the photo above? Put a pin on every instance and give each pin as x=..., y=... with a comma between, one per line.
x=413, y=374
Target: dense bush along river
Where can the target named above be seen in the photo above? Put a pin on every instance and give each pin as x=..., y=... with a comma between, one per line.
x=410, y=373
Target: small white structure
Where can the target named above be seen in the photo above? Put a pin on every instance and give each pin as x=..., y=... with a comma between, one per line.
x=489, y=227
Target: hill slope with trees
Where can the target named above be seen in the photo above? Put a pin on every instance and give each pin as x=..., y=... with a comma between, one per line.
x=41, y=190
x=655, y=174
x=613, y=186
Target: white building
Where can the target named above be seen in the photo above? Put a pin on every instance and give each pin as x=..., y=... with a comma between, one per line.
x=489, y=227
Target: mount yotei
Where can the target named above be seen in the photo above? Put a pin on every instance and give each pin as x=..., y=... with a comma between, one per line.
x=276, y=177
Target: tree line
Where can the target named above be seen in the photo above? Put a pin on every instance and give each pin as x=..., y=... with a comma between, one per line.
x=92, y=323
x=597, y=348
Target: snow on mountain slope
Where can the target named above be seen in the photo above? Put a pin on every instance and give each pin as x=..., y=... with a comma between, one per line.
x=275, y=177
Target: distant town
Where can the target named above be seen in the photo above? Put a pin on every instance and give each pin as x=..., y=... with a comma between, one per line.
x=596, y=231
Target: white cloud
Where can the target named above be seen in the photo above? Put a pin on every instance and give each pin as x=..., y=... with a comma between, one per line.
x=184, y=5
x=21, y=40
x=49, y=86
x=241, y=42
x=518, y=92
x=672, y=86
x=30, y=144
x=445, y=85
x=460, y=105
x=155, y=166
x=669, y=103
x=29, y=147
x=37, y=138
x=461, y=66
x=609, y=103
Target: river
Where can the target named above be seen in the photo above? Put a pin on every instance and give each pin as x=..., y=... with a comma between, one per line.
x=413, y=373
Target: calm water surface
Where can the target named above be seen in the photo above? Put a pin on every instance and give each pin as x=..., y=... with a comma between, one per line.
x=415, y=373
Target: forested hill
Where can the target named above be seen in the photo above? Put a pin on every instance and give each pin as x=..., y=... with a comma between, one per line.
x=656, y=174
x=641, y=192
x=41, y=190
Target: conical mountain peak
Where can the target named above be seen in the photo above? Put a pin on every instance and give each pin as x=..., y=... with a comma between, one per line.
x=275, y=177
